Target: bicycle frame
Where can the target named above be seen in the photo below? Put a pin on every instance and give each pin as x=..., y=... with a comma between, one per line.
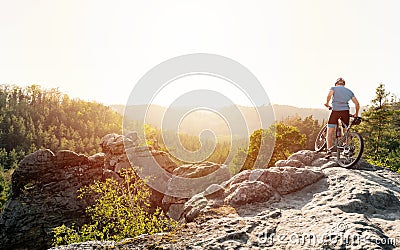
x=349, y=146
x=344, y=137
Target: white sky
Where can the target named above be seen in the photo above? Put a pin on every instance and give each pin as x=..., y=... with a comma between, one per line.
x=98, y=50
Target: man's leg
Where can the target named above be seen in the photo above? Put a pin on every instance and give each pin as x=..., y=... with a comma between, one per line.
x=345, y=117
x=329, y=137
x=332, y=123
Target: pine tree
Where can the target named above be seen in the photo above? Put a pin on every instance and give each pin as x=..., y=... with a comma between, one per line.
x=380, y=130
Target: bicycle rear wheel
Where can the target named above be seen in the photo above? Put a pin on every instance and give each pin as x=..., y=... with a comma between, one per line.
x=320, y=141
x=350, y=153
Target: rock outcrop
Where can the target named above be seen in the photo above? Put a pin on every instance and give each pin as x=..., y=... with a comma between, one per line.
x=44, y=190
x=123, y=151
x=280, y=208
x=249, y=187
x=45, y=184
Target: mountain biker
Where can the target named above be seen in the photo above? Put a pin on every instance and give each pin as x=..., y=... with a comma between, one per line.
x=340, y=109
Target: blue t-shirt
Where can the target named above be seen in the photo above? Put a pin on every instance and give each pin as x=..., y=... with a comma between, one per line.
x=341, y=98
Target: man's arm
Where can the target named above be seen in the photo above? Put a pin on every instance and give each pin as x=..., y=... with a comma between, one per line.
x=354, y=99
x=328, y=98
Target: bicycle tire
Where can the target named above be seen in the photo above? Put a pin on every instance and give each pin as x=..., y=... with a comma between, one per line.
x=320, y=141
x=354, y=147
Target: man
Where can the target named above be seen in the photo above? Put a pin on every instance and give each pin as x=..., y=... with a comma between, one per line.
x=340, y=109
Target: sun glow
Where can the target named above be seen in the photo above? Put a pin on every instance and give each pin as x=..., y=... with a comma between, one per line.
x=295, y=48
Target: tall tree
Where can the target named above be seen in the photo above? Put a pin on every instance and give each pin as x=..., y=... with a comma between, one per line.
x=380, y=129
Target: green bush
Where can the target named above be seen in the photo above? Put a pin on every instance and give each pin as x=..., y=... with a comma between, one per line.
x=5, y=186
x=391, y=161
x=288, y=140
x=121, y=210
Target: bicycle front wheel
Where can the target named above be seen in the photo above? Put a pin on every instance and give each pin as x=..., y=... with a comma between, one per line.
x=320, y=141
x=350, y=153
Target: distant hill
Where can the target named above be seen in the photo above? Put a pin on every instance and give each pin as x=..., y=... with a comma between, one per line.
x=197, y=121
x=285, y=111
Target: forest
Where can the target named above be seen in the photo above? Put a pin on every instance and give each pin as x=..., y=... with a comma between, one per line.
x=32, y=118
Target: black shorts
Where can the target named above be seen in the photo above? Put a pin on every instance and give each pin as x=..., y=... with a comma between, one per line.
x=344, y=116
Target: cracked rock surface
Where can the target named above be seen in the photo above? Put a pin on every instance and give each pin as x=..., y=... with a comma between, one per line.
x=341, y=209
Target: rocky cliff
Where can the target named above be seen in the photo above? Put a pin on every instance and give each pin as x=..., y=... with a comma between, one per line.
x=305, y=202
x=44, y=190
x=45, y=184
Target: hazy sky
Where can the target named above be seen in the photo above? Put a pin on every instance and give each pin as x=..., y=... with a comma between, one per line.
x=98, y=50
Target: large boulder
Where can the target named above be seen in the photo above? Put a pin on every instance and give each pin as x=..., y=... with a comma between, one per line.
x=116, y=144
x=125, y=150
x=303, y=158
x=294, y=179
x=284, y=179
x=189, y=180
x=252, y=186
x=147, y=157
x=248, y=192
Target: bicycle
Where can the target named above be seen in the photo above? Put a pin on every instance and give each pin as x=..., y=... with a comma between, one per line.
x=349, y=147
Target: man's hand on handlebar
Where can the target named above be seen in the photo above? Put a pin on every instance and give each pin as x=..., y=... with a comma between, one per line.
x=328, y=106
